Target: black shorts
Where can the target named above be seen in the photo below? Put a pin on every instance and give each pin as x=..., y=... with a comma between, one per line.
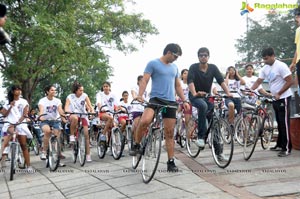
x=170, y=112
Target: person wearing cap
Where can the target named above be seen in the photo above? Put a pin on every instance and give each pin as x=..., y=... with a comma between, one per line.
x=165, y=83
x=296, y=60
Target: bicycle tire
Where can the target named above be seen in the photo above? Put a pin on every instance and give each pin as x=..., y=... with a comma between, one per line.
x=20, y=158
x=54, y=153
x=239, y=131
x=75, y=151
x=182, y=134
x=129, y=138
x=117, y=143
x=0, y=144
x=13, y=161
x=81, y=148
x=35, y=145
x=101, y=147
x=222, y=145
x=151, y=154
x=192, y=148
x=62, y=141
x=267, y=133
x=251, y=137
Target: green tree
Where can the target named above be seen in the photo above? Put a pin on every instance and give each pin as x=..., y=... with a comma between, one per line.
x=276, y=30
x=58, y=42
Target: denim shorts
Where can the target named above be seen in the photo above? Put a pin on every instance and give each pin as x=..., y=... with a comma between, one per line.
x=53, y=124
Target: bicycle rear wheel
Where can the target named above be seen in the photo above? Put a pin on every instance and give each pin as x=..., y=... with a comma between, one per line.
x=222, y=143
x=192, y=148
x=81, y=148
x=251, y=136
x=117, y=143
x=54, y=153
x=101, y=146
x=267, y=133
x=13, y=160
x=151, y=154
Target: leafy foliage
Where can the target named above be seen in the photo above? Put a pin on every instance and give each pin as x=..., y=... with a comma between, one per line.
x=58, y=42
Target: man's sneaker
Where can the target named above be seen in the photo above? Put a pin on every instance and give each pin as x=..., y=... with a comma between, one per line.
x=283, y=153
x=72, y=138
x=200, y=143
x=43, y=156
x=171, y=167
x=61, y=164
x=135, y=149
x=222, y=158
x=275, y=148
x=88, y=158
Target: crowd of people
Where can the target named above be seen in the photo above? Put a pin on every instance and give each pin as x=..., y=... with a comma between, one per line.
x=166, y=89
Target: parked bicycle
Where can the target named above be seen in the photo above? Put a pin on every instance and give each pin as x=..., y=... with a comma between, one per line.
x=258, y=124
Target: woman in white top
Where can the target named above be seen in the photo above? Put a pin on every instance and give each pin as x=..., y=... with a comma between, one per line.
x=249, y=79
x=110, y=102
x=15, y=110
x=233, y=80
x=124, y=116
x=79, y=102
x=52, y=107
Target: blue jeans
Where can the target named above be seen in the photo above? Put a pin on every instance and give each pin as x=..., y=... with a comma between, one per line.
x=204, y=107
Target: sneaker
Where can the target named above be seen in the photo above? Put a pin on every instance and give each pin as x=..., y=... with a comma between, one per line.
x=61, y=164
x=275, y=148
x=171, y=167
x=88, y=158
x=43, y=156
x=200, y=143
x=72, y=138
x=222, y=158
x=30, y=170
x=283, y=153
x=135, y=149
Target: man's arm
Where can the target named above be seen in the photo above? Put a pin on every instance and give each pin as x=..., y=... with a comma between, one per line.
x=143, y=84
x=256, y=83
x=294, y=62
x=288, y=83
x=179, y=90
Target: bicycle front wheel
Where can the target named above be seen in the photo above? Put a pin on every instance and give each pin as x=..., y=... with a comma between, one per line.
x=151, y=154
x=221, y=143
x=101, y=146
x=35, y=145
x=117, y=143
x=240, y=131
x=192, y=148
x=267, y=134
x=81, y=148
x=54, y=153
x=13, y=161
x=251, y=136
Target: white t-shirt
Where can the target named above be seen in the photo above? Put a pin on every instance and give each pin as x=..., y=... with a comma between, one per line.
x=109, y=100
x=275, y=75
x=50, y=108
x=16, y=112
x=77, y=104
x=249, y=81
x=185, y=89
x=128, y=107
x=234, y=86
x=138, y=107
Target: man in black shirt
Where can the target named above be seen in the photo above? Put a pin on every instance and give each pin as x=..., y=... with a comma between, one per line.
x=200, y=79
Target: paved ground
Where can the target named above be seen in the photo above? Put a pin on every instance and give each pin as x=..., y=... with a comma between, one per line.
x=264, y=176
